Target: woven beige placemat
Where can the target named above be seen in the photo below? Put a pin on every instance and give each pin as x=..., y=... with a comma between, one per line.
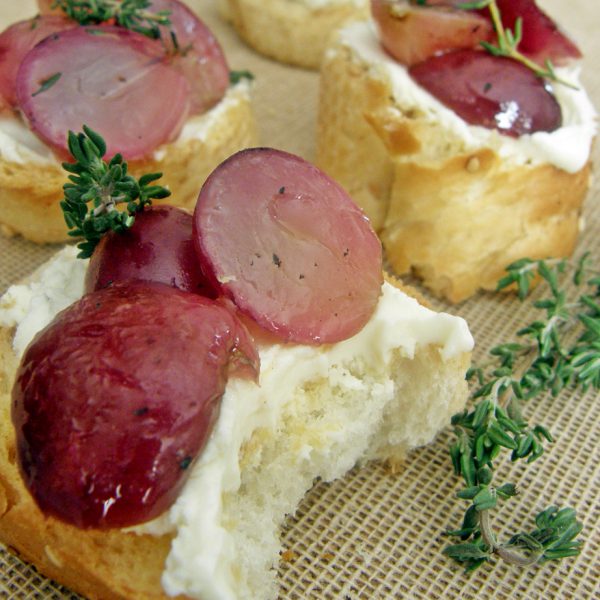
x=376, y=534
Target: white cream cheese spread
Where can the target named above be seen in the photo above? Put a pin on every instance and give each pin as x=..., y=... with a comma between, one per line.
x=567, y=148
x=208, y=554
x=31, y=306
x=18, y=144
x=203, y=557
x=199, y=127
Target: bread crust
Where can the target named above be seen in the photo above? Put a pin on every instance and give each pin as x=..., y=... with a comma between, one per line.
x=290, y=32
x=455, y=218
x=30, y=193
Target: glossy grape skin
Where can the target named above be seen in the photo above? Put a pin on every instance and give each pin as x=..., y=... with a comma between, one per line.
x=115, y=399
x=491, y=91
x=158, y=247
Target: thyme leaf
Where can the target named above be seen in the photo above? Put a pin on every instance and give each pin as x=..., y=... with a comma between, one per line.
x=97, y=187
x=131, y=14
x=560, y=349
x=237, y=76
x=46, y=84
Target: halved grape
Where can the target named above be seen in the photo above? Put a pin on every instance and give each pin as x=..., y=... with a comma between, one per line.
x=195, y=52
x=412, y=34
x=158, y=247
x=190, y=47
x=109, y=78
x=494, y=92
x=16, y=41
x=289, y=246
x=115, y=399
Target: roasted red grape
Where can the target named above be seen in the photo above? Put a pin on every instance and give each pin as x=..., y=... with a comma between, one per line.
x=190, y=47
x=115, y=399
x=197, y=54
x=412, y=33
x=158, y=247
x=289, y=246
x=17, y=41
x=494, y=92
x=94, y=76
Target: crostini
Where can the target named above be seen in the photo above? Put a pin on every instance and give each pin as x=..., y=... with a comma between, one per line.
x=291, y=31
x=465, y=161
x=160, y=92
x=157, y=449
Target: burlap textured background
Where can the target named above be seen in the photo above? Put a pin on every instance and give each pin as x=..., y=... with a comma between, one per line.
x=375, y=534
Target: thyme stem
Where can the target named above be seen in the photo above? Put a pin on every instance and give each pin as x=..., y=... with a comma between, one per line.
x=510, y=556
x=551, y=358
x=508, y=42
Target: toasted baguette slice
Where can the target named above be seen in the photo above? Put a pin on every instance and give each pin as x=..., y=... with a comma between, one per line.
x=291, y=31
x=453, y=209
x=373, y=401
x=30, y=191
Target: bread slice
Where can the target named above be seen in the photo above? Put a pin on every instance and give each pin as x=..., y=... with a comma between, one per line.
x=451, y=203
x=31, y=188
x=291, y=31
x=317, y=412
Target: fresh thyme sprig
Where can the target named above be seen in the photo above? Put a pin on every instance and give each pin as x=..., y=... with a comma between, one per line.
x=104, y=186
x=131, y=14
x=236, y=76
x=508, y=42
x=560, y=349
